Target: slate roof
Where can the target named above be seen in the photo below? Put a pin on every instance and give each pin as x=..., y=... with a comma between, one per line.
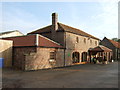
x=31, y=40
x=100, y=48
x=63, y=27
x=116, y=44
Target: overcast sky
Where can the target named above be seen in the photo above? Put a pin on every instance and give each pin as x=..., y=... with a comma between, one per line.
x=97, y=18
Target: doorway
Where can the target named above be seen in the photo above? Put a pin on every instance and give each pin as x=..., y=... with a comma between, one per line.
x=75, y=57
x=84, y=57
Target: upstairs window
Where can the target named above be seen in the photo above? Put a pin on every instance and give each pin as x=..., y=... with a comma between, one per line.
x=77, y=40
x=52, y=55
x=84, y=40
x=90, y=41
x=96, y=43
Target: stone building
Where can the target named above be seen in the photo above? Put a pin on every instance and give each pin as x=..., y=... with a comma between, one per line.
x=56, y=45
x=76, y=42
x=115, y=46
x=32, y=52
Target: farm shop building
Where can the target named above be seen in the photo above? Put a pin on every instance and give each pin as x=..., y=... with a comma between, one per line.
x=75, y=41
x=56, y=45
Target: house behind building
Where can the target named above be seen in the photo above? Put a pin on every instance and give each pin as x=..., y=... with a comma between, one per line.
x=115, y=46
x=10, y=34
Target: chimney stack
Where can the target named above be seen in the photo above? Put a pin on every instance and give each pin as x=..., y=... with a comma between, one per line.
x=54, y=21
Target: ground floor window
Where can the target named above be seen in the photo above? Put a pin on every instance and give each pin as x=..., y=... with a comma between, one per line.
x=52, y=55
x=75, y=57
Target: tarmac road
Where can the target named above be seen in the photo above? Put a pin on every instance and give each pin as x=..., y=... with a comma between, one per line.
x=79, y=76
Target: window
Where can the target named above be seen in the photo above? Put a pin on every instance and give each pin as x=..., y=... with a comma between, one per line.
x=95, y=42
x=84, y=40
x=77, y=39
x=90, y=41
x=52, y=55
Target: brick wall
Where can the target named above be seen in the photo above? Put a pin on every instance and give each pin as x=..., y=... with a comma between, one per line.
x=19, y=56
x=40, y=60
x=59, y=57
x=32, y=58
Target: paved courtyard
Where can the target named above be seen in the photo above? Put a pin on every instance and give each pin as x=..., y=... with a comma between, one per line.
x=79, y=76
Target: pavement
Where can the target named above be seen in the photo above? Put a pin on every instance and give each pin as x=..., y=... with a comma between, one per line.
x=78, y=76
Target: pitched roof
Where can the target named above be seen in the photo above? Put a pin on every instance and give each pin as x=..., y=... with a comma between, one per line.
x=100, y=48
x=116, y=44
x=2, y=33
x=76, y=31
x=33, y=40
x=63, y=27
